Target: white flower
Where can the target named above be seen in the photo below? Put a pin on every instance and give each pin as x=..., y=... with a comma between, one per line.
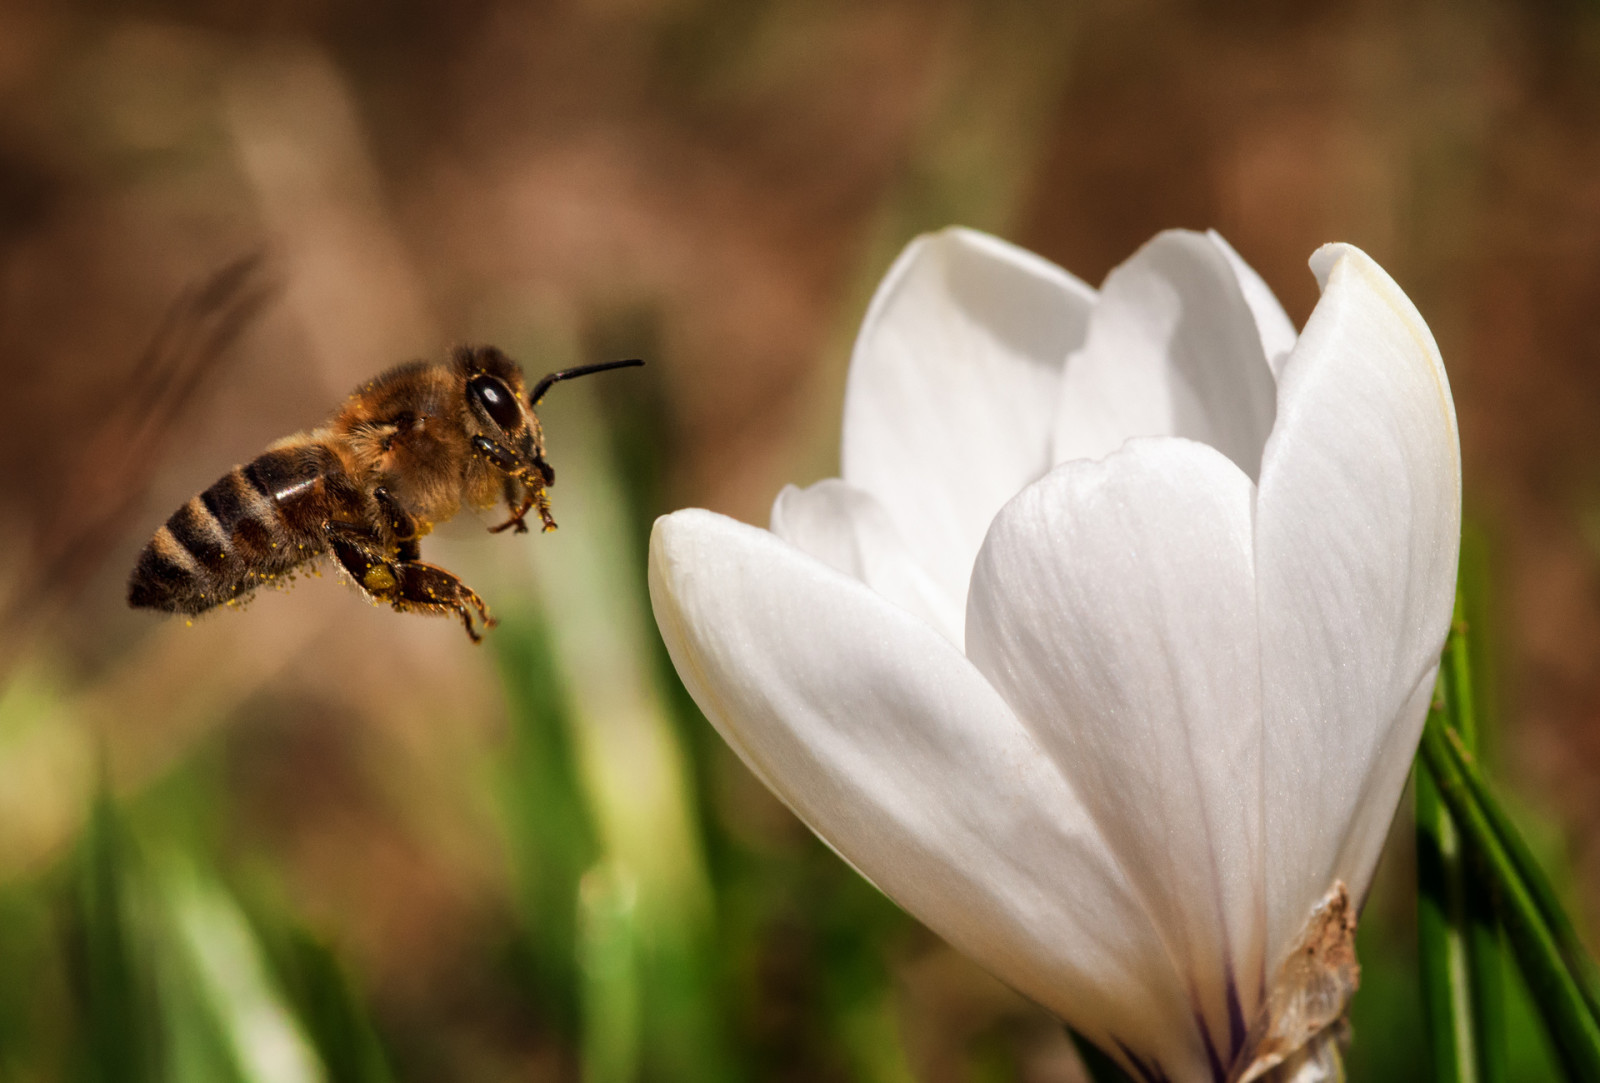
x=1108, y=654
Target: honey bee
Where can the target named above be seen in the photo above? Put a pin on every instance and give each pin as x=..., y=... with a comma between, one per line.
x=405, y=452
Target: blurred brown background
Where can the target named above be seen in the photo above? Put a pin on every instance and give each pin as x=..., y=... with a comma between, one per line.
x=716, y=185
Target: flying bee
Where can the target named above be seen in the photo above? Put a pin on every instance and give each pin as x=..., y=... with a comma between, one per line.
x=405, y=452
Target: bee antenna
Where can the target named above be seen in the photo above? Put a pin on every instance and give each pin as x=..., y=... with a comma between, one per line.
x=582, y=370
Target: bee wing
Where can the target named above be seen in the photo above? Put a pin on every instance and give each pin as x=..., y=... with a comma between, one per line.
x=191, y=339
x=118, y=458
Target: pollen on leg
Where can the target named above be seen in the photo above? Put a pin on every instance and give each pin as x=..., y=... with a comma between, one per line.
x=378, y=579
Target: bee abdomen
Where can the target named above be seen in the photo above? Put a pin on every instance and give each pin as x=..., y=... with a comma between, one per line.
x=256, y=522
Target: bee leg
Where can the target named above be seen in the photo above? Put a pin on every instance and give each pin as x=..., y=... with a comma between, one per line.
x=518, y=508
x=401, y=522
x=430, y=588
x=533, y=477
x=406, y=584
x=542, y=498
x=547, y=478
x=531, y=495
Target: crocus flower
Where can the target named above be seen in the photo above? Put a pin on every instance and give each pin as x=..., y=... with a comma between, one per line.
x=1107, y=655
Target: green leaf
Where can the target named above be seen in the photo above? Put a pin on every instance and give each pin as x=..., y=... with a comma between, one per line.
x=1485, y=953
x=1582, y=966
x=218, y=978
x=1458, y=936
x=334, y=1019
x=115, y=991
x=1539, y=950
x=550, y=832
x=608, y=959
x=1441, y=943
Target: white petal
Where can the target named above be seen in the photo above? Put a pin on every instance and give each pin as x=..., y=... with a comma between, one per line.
x=1114, y=607
x=881, y=735
x=848, y=529
x=952, y=390
x=1172, y=350
x=1357, y=531
x=1272, y=322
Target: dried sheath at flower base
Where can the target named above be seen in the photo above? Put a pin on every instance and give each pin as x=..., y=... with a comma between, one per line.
x=1301, y=1025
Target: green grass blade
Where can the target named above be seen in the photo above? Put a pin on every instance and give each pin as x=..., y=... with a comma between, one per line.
x=1543, y=895
x=333, y=1017
x=632, y=764
x=550, y=830
x=1565, y=1011
x=1458, y=933
x=1462, y=679
x=222, y=969
x=608, y=959
x=1485, y=959
x=115, y=995
x=1442, y=942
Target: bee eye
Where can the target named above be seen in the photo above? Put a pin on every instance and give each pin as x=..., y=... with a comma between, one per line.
x=497, y=401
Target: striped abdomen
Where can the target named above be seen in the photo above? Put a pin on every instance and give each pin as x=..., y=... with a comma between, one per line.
x=257, y=522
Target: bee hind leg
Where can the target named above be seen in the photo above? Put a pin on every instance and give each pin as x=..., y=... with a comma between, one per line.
x=409, y=585
x=430, y=588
